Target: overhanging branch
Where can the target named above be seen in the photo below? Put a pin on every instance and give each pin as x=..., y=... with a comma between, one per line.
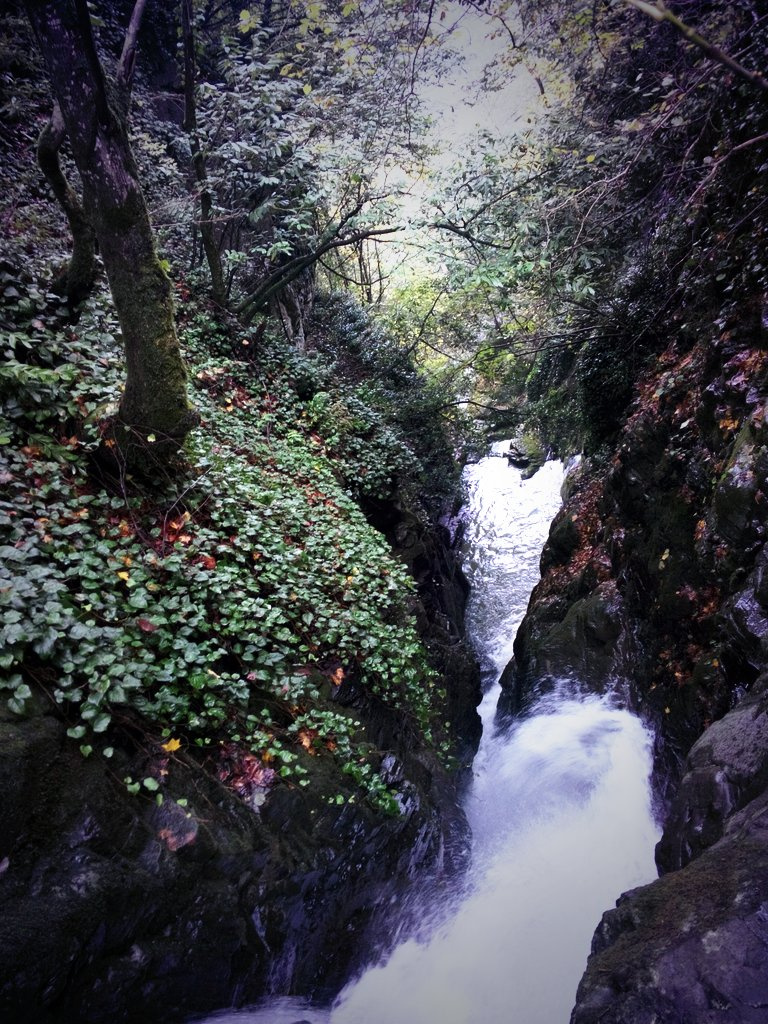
x=456, y=229
x=287, y=273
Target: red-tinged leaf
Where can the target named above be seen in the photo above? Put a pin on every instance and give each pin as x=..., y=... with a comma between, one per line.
x=176, y=839
x=146, y=626
x=306, y=739
x=208, y=561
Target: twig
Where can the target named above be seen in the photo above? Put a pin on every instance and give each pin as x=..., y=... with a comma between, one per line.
x=718, y=163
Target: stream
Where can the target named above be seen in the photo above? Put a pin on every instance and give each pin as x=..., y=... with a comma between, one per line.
x=559, y=805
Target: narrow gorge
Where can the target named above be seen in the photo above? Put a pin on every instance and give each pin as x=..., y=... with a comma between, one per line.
x=319, y=702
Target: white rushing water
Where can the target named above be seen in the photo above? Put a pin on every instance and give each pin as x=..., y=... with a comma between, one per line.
x=559, y=807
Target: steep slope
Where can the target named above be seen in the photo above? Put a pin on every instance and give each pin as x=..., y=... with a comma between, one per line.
x=234, y=714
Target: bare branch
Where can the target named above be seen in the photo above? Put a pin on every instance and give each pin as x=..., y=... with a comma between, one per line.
x=447, y=225
x=126, y=68
x=660, y=12
x=718, y=163
x=283, y=276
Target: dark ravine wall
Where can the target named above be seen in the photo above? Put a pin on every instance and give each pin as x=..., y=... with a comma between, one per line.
x=654, y=585
x=430, y=555
x=112, y=908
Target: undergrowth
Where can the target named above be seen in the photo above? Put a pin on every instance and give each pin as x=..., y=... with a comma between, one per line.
x=229, y=605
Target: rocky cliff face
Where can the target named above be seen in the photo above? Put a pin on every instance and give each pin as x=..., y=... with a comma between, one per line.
x=654, y=585
x=119, y=909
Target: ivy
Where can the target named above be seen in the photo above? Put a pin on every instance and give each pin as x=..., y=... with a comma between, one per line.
x=229, y=606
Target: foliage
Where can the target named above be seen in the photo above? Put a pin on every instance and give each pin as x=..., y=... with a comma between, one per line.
x=638, y=198
x=230, y=605
x=235, y=605
x=303, y=112
x=411, y=428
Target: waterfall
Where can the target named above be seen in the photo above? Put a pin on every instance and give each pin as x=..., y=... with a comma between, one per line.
x=559, y=806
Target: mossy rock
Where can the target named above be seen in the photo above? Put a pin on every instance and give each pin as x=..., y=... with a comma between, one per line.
x=563, y=540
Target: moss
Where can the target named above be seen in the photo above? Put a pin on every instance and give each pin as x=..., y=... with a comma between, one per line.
x=155, y=400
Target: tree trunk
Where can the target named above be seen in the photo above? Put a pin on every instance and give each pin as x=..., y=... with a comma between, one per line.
x=78, y=278
x=95, y=113
x=212, y=254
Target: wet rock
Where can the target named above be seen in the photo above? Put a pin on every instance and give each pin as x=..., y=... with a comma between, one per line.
x=585, y=646
x=726, y=769
x=115, y=908
x=736, y=514
x=692, y=946
x=430, y=554
x=562, y=541
x=744, y=623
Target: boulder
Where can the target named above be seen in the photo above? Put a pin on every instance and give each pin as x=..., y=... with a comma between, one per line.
x=586, y=645
x=726, y=768
x=691, y=947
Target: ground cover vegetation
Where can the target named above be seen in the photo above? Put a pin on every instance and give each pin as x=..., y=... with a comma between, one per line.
x=227, y=591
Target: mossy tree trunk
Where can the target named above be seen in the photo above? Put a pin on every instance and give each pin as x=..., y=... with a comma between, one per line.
x=95, y=110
